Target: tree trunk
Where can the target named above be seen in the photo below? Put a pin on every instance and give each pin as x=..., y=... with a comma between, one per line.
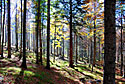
x=99, y=49
x=38, y=18
x=24, y=37
x=79, y=47
x=124, y=71
x=76, y=49
x=63, y=49
x=3, y=29
x=57, y=51
x=48, y=36
x=54, y=41
x=40, y=32
x=88, y=54
x=0, y=24
x=60, y=51
x=94, y=58
x=121, y=68
x=71, y=47
x=16, y=30
x=110, y=42
x=39, y=24
x=9, y=31
x=74, y=44
x=91, y=54
x=21, y=35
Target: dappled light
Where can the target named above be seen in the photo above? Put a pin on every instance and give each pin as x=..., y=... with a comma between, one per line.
x=62, y=42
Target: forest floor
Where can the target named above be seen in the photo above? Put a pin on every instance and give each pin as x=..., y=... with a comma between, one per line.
x=60, y=72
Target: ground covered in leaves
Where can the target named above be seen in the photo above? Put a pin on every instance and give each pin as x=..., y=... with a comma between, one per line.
x=60, y=72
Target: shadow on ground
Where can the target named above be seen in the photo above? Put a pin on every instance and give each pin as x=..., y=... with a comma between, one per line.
x=35, y=74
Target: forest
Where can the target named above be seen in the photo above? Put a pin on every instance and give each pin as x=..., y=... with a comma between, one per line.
x=62, y=42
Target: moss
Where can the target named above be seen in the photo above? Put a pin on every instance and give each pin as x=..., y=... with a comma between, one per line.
x=28, y=73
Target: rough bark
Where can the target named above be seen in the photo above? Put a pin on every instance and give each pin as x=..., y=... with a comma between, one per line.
x=110, y=42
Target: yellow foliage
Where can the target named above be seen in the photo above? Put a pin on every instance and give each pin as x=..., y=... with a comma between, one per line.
x=83, y=33
x=66, y=38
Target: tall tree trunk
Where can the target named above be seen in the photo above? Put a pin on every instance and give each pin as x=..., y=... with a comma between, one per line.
x=9, y=31
x=94, y=58
x=40, y=32
x=99, y=49
x=3, y=29
x=54, y=42
x=110, y=42
x=51, y=48
x=76, y=48
x=124, y=66
x=48, y=36
x=6, y=30
x=121, y=68
x=88, y=54
x=57, y=51
x=0, y=24
x=27, y=40
x=63, y=49
x=24, y=37
x=60, y=51
x=79, y=47
x=91, y=54
x=34, y=40
x=38, y=19
x=74, y=44
x=71, y=50
x=16, y=30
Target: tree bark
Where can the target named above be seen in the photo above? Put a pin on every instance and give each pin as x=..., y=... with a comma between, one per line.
x=24, y=37
x=40, y=34
x=76, y=48
x=3, y=29
x=16, y=30
x=121, y=68
x=38, y=19
x=48, y=35
x=54, y=41
x=94, y=58
x=110, y=42
x=99, y=49
x=71, y=46
x=9, y=31
x=1, y=25
x=63, y=49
